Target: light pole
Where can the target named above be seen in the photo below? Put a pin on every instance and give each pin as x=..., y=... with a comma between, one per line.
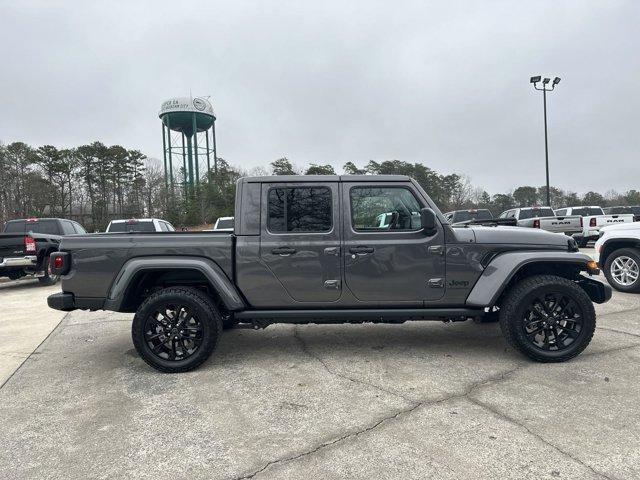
x=545, y=89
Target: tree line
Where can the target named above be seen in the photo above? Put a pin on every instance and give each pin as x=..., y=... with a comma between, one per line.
x=96, y=183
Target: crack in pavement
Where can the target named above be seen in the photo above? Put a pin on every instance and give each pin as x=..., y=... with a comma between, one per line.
x=324, y=364
x=618, y=331
x=513, y=421
x=492, y=380
x=402, y=412
x=35, y=349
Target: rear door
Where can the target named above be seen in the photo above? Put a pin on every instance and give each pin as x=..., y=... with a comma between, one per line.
x=300, y=239
x=394, y=262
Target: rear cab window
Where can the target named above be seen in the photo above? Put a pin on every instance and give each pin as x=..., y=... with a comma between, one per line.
x=15, y=227
x=587, y=211
x=299, y=209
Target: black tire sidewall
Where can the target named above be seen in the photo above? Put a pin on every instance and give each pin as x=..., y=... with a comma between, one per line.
x=521, y=302
x=627, y=252
x=206, y=314
x=48, y=279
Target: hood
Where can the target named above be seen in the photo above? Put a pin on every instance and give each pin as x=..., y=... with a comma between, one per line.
x=519, y=235
x=621, y=226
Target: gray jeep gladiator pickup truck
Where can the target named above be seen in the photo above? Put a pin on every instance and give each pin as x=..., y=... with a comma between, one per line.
x=311, y=249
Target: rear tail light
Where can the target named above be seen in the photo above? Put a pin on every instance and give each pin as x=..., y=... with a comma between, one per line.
x=536, y=224
x=592, y=222
x=60, y=263
x=29, y=244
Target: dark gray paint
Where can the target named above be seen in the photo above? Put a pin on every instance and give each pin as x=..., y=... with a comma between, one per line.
x=453, y=268
x=498, y=273
x=214, y=274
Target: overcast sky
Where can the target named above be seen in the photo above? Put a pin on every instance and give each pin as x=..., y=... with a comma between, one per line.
x=441, y=83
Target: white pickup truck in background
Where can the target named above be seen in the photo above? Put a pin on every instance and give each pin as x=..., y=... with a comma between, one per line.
x=544, y=218
x=593, y=219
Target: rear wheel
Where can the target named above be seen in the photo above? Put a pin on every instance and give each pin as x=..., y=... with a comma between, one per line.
x=176, y=329
x=622, y=270
x=548, y=318
x=48, y=278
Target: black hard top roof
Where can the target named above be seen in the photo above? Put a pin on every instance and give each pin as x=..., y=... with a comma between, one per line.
x=326, y=178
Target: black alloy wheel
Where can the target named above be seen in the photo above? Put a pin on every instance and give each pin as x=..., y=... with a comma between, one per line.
x=176, y=329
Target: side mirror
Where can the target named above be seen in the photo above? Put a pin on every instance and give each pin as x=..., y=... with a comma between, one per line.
x=428, y=220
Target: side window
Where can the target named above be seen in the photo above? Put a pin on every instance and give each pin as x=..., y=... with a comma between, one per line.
x=299, y=209
x=163, y=227
x=384, y=208
x=67, y=228
x=511, y=214
x=78, y=228
x=169, y=227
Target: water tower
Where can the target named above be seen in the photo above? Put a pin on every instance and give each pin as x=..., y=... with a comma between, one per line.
x=186, y=123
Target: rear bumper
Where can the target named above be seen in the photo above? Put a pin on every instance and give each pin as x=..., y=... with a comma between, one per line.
x=26, y=261
x=68, y=301
x=62, y=301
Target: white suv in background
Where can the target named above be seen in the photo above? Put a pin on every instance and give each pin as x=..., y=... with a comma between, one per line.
x=139, y=225
x=619, y=250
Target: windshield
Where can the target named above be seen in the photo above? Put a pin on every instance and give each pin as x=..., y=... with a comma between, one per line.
x=619, y=210
x=466, y=215
x=536, y=212
x=587, y=211
x=121, y=227
x=227, y=223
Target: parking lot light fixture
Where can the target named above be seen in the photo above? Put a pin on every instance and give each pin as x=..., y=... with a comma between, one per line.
x=544, y=89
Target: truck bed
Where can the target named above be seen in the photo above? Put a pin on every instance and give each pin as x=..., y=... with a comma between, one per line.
x=98, y=258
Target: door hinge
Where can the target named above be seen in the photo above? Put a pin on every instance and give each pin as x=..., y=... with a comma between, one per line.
x=436, y=283
x=332, y=284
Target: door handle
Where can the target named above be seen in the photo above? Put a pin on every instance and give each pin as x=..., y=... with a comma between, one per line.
x=335, y=251
x=283, y=251
x=361, y=250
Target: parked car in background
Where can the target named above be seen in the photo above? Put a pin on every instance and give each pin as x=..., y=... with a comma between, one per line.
x=26, y=244
x=634, y=210
x=544, y=218
x=139, y=225
x=593, y=219
x=619, y=250
x=224, y=224
x=458, y=216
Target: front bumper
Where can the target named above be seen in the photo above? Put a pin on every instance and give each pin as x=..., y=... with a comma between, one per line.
x=26, y=261
x=61, y=301
x=598, y=292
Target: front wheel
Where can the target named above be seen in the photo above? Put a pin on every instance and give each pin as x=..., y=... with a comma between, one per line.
x=622, y=270
x=176, y=329
x=548, y=318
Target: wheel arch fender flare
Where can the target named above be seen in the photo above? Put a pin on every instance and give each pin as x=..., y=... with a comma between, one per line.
x=612, y=244
x=216, y=277
x=502, y=269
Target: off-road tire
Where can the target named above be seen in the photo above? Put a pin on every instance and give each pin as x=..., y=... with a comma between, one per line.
x=207, y=314
x=516, y=301
x=48, y=278
x=632, y=253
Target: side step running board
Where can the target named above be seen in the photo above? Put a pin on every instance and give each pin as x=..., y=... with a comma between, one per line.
x=397, y=315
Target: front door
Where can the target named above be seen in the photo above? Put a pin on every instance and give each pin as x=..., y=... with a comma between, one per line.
x=300, y=239
x=388, y=257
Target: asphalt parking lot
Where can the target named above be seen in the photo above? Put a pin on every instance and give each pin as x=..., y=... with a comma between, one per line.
x=419, y=400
